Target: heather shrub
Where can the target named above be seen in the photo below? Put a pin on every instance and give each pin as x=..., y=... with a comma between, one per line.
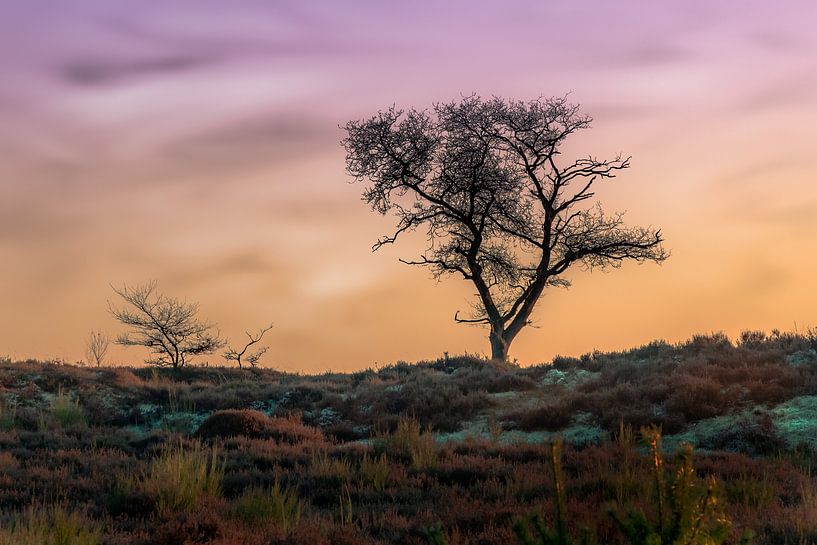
x=696, y=398
x=204, y=525
x=552, y=416
x=292, y=430
x=233, y=422
x=753, y=434
x=751, y=338
x=432, y=398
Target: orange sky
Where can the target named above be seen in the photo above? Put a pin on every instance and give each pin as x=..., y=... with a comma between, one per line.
x=197, y=143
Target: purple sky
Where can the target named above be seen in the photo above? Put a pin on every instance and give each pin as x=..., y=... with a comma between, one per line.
x=197, y=143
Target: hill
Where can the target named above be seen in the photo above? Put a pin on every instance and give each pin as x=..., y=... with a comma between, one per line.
x=222, y=455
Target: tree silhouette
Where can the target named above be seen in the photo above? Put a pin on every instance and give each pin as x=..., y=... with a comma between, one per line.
x=96, y=348
x=244, y=355
x=165, y=325
x=485, y=180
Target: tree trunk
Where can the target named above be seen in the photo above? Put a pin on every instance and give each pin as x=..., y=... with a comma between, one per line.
x=499, y=346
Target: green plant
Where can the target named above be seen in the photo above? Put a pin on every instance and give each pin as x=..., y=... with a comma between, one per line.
x=436, y=536
x=66, y=411
x=8, y=417
x=180, y=477
x=51, y=526
x=532, y=531
x=690, y=512
x=278, y=505
x=375, y=471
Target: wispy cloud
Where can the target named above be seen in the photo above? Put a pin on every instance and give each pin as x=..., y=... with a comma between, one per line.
x=106, y=72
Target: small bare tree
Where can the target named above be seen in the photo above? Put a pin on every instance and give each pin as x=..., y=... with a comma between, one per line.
x=486, y=181
x=96, y=348
x=243, y=355
x=165, y=325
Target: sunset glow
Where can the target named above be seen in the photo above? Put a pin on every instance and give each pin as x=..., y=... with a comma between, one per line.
x=197, y=143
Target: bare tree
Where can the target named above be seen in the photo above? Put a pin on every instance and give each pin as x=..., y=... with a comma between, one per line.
x=233, y=354
x=485, y=180
x=165, y=325
x=96, y=348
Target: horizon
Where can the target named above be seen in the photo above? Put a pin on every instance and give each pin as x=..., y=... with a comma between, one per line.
x=198, y=144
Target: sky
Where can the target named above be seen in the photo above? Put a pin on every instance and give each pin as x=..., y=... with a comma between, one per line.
x=197, y=143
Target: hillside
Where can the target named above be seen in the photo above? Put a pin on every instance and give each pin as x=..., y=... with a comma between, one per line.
x=381, y=456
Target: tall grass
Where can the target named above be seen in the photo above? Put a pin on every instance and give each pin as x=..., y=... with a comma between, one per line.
x=277, y=505
x=50, y=526
x=375, y=471
x=8, y=417
x=410, y=440
x=180, y=477
x=67, y=412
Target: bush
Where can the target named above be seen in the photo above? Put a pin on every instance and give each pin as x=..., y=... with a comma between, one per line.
x=233, y=422
x=257, y=425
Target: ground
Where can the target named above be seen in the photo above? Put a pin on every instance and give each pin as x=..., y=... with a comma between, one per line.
x=142, y=455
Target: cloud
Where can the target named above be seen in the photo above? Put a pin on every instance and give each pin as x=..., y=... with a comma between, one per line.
x=794, y=90
x=243, y=144
x=92, y=72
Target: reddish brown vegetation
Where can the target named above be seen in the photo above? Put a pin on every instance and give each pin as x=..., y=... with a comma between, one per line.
x=270, y=428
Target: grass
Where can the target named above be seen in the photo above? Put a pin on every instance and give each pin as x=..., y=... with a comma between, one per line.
x=377, y=458
x=8, y=417
x=181, y=476
x=375, y=471
x=277, y=506
x=50, y=526
x=66, y=411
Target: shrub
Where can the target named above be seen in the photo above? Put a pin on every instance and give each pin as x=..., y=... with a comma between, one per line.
x=696, y=398
x=552, y=416
x=256, y=425
x=755, y=435
x=277, y=505
x=233, y=422
x=292, y=431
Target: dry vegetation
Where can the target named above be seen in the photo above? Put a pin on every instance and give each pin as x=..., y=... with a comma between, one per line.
x=456, y=451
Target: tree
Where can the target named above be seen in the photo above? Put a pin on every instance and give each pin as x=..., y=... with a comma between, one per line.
x=96, y=348
x=485, y=180
x=168, y=327
x=233, y=354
